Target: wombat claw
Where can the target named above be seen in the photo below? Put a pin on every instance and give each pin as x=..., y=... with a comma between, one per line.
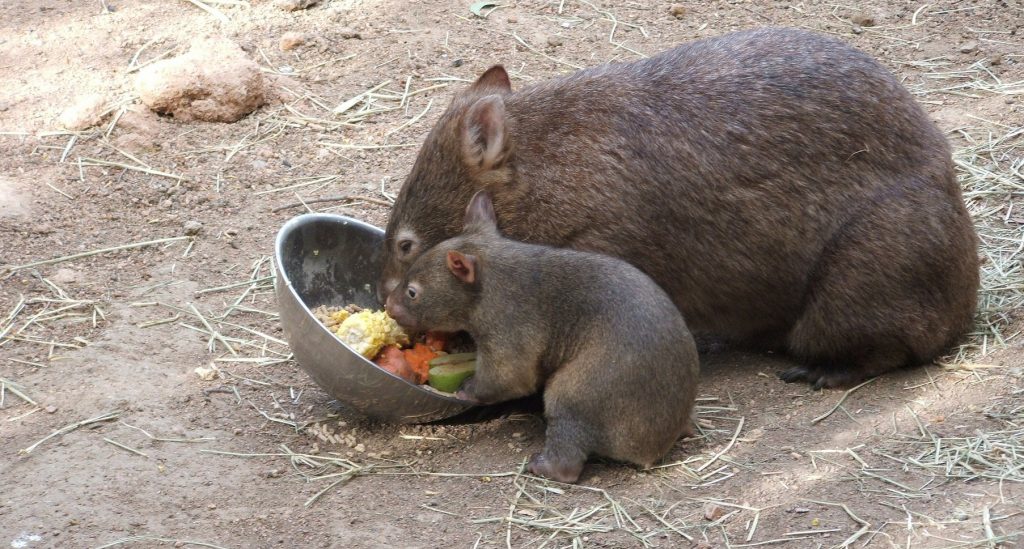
x=819, y=378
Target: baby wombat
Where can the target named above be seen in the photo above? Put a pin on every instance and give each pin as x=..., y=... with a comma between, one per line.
x=615, y=360
x=782, y=187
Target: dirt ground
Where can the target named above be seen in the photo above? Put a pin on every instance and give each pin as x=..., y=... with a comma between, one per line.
x=104, y=348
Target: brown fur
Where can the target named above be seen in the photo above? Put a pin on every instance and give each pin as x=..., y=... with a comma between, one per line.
x=611, y=351
x=782, y=187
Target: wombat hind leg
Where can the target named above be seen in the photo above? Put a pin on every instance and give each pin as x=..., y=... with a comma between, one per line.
x=819, y=377
x=846, y=373
x=886, y=293
x=566, y=448
x=558, y=468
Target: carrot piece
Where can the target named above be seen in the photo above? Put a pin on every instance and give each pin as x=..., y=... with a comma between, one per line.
x=393, y=360
x=418, y=358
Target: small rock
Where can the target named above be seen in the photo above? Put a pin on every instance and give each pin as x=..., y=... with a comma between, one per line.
x=350, y=34
x=295, y=5
x=970, y=46
x=863, y=19
x=86, y=112
x=995, y=62
x=554, y=41
x=801, y=510
x=457, y=63
x=259, y=164
x=65, y=276
x=512, y=19
x=193, y=227
x=677, y=10
x=51, y=409
x=360, y=448
x=754, y=435
x=291, y=40
x=713, y=512
x=857, y=29
x=207, y=374
x=214, y=82
x=960, y=514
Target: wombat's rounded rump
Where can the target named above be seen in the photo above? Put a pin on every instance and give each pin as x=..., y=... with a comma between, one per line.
x=782, y=187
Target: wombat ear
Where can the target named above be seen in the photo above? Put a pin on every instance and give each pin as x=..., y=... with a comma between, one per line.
x=494, y=80
x=462, y=266
x=484, y=135
x=480, y=212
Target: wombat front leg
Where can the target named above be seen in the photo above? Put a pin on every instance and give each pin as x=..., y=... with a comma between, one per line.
x=484, y=387
x=499, y=378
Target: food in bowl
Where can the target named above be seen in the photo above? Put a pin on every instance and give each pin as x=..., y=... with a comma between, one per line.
x=377, y=336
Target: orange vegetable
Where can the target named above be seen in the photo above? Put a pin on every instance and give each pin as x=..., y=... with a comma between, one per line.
x=418, y=357
x=437, y=341
x=393, y=360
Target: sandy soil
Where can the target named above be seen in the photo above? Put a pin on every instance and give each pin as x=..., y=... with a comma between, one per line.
x=924, y=458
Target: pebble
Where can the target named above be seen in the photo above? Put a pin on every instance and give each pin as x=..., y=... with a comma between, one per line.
x=713, y=512
x=360, y=448
x=294, y=5
x=863, y=20
x=291, y=40
x=969, y=46
x=51, y=409
x=677, y=10
x=512, y=19
x=554, y=41
x=65, y=276
x=857, y=29
x=350, y=34
x=193, y=227
x=86, y=112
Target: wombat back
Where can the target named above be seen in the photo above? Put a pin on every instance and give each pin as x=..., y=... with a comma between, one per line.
x=752, y=176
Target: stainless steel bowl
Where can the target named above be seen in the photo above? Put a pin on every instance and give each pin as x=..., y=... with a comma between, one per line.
x=324, y=259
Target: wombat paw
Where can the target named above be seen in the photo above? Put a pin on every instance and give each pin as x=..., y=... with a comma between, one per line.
x=819, y=378
x=559, y=470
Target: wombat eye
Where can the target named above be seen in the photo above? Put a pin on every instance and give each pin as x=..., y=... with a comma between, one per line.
x=405, y=246
x=411, y=293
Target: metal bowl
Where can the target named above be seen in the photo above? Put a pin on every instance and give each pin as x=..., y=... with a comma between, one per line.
x=324, y=259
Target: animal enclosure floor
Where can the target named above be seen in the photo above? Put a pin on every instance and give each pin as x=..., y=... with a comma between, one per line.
x=103, y=349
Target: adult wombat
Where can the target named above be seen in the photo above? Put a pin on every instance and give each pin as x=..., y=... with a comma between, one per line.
x=782, y=187
x=617, y=364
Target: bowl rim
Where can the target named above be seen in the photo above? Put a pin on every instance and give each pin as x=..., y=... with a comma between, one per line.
x=282, y=277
